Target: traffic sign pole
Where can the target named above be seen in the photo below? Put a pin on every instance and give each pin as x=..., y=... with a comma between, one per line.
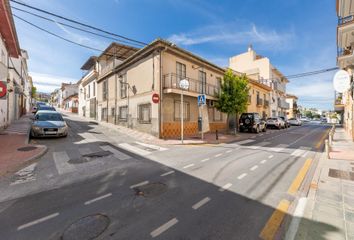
x=182, y=130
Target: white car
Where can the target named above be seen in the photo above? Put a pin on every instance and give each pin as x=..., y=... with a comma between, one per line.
x=275, y=122
x=295, y=122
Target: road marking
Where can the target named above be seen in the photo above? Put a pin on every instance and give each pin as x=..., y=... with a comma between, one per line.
x=260, y=134
x=245, y=141
x=24, y=175
x=43, y=219
x=275, y=220
x=206, y=159
x=61, y=163
x=133, y=149
x=300, y=177
x=225, y=187
x=218, y=155
x=254, y=167
x=167, y=173
x=163, y=227
x=98, y=198
x=253, y=137
x=297, y=216
x=242, y=176
x=298, y=152
x=318, y=145
x=139, y=184
x=263, y=161
x=228, y=151
x=158, y=148
x=271, y=156
x=188, y=166
x=279, y=147
x=201, y=203
x=117, y=154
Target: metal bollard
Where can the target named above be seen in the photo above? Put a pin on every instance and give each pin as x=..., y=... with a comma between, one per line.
x=216, y=135
x=330, y=139
x=327, y=148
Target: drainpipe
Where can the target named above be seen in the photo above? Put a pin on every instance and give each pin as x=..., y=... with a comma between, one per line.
x=161, y=96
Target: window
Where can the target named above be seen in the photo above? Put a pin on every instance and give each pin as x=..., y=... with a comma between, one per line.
x=144, y=115
x=202, y=82
x=105, y=90
x=88, y=91
x=94, y=89
x=85, y=93
x=218, y=85
x=181, y=71
x=123, y=113
x=104, y=114
x=186, y=111
x=217, y=115
x=123, y=86
x=113, y=111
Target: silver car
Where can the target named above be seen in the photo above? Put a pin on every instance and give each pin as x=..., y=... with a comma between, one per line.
x=48, y=124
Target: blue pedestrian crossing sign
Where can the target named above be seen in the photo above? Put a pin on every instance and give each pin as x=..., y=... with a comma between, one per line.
x=201, y=99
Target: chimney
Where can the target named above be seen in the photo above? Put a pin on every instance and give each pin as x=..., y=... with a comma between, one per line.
x=250, y=48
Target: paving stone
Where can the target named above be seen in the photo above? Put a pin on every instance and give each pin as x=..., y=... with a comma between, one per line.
x=335, y=222
x=349, y=216
x=350, y=228
x=316, y=230
x=348, y=190
x=328, y=195
x=330, y=186
x=349, y=203
x=329, y=209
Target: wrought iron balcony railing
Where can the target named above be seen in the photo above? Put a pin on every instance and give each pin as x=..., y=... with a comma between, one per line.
x=171, y=81
x=259, y=101
x=266, y=103
x=345, y=20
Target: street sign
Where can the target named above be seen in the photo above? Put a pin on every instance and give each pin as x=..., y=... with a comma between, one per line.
x=184, y=84
x=3, y=89
x=341, y=81
x=201, y=99
x=155, y=98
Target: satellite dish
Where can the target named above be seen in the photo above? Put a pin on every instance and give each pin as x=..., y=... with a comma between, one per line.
x=341, y=81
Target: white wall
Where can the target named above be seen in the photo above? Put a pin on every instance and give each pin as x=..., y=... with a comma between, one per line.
x=3, y=76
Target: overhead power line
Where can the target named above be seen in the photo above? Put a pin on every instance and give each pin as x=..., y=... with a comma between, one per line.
x=77, y=28
x=79, y=23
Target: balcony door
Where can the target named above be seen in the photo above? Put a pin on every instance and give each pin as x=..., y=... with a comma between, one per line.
x=202, y=82
x=180, y=71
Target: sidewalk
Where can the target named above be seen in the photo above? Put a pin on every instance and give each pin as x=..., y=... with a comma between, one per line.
x=330, y=202
x=209, y=138
x=15, y=150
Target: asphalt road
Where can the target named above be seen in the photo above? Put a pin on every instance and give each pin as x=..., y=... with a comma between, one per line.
x=132, y=191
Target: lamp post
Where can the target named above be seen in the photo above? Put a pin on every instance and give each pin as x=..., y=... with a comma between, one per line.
x=184, y=85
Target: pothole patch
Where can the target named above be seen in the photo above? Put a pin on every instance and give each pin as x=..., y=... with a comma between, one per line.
x=151, y=190
x=89, y=227
x=90, y=157
x=26, y=149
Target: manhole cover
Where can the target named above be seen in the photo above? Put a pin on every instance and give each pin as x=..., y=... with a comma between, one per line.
x=86, y=228
x=90, y=157
x=26, y=149
x=151, y=190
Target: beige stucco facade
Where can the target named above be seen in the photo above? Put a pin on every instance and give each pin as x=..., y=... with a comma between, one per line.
x=292, y=112
x=259, y=98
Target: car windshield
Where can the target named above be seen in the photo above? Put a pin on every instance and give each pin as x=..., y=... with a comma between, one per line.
x=292, y=119
x=46, y=108
x=49, y=117
x=243, y=116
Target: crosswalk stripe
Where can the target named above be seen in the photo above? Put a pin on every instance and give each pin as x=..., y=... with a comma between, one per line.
x=134, y=149
x=152, y=146
x=61, y=163
x=245, y=141
x=117, y=154
x=298, y=152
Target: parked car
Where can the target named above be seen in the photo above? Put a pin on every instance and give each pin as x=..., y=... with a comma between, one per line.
x=275, y=122
x=34, y=109
x=48, y=124
x=45, y=108
x=304, y=119
x=286, y=121
x=252, y=122
x=295, y=122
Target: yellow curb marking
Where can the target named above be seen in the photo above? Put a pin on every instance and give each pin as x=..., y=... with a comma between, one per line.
x=275, y=220
x=318, y=145
x=300, y=177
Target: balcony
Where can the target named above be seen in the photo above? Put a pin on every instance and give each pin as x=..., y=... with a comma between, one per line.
x=259, y=101
x=345, y=32
x=283, y=104
x=344, y=20
x=345, y=57
x=196, y=87
x=109, y=65
x=266, y=103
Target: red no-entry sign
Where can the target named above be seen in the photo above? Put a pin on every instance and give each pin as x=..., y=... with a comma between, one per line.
x=3, y=89
x=155, y=98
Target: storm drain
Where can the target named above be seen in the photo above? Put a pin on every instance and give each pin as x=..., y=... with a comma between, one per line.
x=90, y=157
x=26, y=149
x=341, y=174
x=151, y=190
x=89, y=227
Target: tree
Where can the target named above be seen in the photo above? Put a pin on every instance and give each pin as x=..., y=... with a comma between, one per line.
x=34, y=91
x=309, y=114
x=233, y=97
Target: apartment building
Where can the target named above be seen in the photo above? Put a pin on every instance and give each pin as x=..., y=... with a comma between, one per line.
x=259, y=98
x=293, y=111
x=88, y=89
x=69, y=97
x=344, y=104
x=260, y=69
x=139, y=89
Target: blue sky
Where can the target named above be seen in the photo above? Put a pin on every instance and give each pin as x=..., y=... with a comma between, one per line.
x=297, y=35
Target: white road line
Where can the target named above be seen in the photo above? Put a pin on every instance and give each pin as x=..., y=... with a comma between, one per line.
x=260, y=134
x=167, y=173
x=152, y=146
x=263, y=161
x=188, y=166
x=24, y=175
x=298, y=152
x=163, y=227
x=134, y=149
x=228, y=151
x=242, y=176
x=271, y=156
x=61, y=163
x=206, y=159
x=201, y=203
x=98, y=198
x=225, y=187
x=245, y=141
x=139, y=184
x=117, y=154
x=43, y=219
x=254, y=167
x=298, y=215
x=218, y=155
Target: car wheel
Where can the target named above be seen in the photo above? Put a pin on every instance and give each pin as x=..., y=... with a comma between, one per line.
x=264, y=129
x=257, y=129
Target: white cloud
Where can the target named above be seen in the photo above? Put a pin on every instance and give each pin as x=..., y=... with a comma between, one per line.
x=231, y=34
x=48, y=83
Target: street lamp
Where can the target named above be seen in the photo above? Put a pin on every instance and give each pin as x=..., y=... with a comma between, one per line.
x=184, y=85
